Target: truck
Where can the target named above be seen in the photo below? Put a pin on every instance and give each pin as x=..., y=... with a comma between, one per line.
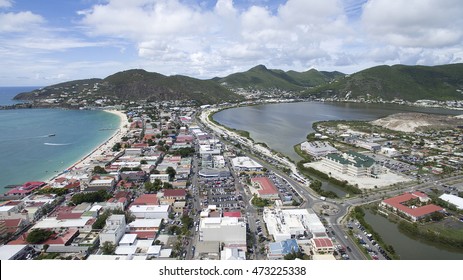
x=323, y=198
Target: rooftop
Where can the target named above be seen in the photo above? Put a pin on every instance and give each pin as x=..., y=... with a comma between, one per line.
x=415, y=212
x=267, y=186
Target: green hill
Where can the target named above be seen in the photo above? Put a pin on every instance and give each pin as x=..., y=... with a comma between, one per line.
x=399, y=81
x=260, y=77
x=135, y=85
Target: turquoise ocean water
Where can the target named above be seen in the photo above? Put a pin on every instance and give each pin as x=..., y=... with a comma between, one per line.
x=27, y=152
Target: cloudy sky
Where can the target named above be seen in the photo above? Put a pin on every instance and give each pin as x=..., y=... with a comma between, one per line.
x=46, y=42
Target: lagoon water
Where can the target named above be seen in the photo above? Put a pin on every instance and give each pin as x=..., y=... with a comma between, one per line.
x=281, y=126
x=29, y=153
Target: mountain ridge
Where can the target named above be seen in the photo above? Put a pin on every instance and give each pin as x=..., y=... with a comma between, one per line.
x=383, y=82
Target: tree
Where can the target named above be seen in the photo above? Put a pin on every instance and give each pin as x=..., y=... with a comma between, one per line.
x=143, y=161
x=99, y=170
x=38, y=235
x=108, y=248
x=171, y=171
x=117, y=147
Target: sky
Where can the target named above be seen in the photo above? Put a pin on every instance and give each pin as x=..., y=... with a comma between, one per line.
x=47, y=42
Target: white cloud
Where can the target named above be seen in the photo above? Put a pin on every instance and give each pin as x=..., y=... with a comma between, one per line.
x=6, y=3
x=19, y=22
x=165, y=31
x=415, y=23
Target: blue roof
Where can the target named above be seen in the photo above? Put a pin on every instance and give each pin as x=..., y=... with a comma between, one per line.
x=284, y=247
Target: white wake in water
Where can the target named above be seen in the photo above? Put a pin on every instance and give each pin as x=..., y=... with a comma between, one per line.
x=57, y=144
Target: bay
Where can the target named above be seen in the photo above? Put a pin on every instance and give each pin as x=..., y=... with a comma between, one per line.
x=27, y=150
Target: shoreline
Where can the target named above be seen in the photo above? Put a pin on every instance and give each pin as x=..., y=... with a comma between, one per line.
x=99, y=148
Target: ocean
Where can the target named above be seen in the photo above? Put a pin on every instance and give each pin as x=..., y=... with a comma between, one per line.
x=29, y=152
x=7, y=94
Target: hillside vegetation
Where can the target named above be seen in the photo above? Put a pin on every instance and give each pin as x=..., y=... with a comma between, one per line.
x=135, y=85
x=409, y=83
x=260, y=77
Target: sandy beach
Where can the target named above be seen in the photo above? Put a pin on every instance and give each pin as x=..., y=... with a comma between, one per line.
x=103, y=147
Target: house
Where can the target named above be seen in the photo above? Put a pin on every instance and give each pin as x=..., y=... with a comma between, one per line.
x=13, y=225
x=151, y=211
x=414, y=205
x=173, y=194
x=69, y=221
x=13, y=209
x=145, y=228
x=97, y=183
x=277, y=250
x=234, y=254
x=24, y=190
x=113, y=230
x=163, y=177
x=133, y=176
x=146, y=199
x=322, y=245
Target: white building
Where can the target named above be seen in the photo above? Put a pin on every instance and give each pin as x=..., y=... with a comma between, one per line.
x=369, y=145
x=162, y=177
x=246, y=164
x=133, y=151
x=352, y=164
x=453, y=199
x=113, y=230
x=218, y=162
x=289, y=223
x=229, y=230
x=318, y=148
x=234, y=254
x=83, y=223
x=151, y=211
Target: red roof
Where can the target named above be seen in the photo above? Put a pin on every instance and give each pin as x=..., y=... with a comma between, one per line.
x=235, y=214
x=267, y=186
x=55, y=239
x=417, y=212
x=144, y=234
x=323, y=242
x=12, y=225
x=146, y=199
x=68, y=216
x=63, y=238
x=174, y=192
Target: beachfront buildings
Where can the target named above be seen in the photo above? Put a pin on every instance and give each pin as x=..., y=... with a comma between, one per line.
x=352, y=164
x=414, y=206
x=318, y=148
